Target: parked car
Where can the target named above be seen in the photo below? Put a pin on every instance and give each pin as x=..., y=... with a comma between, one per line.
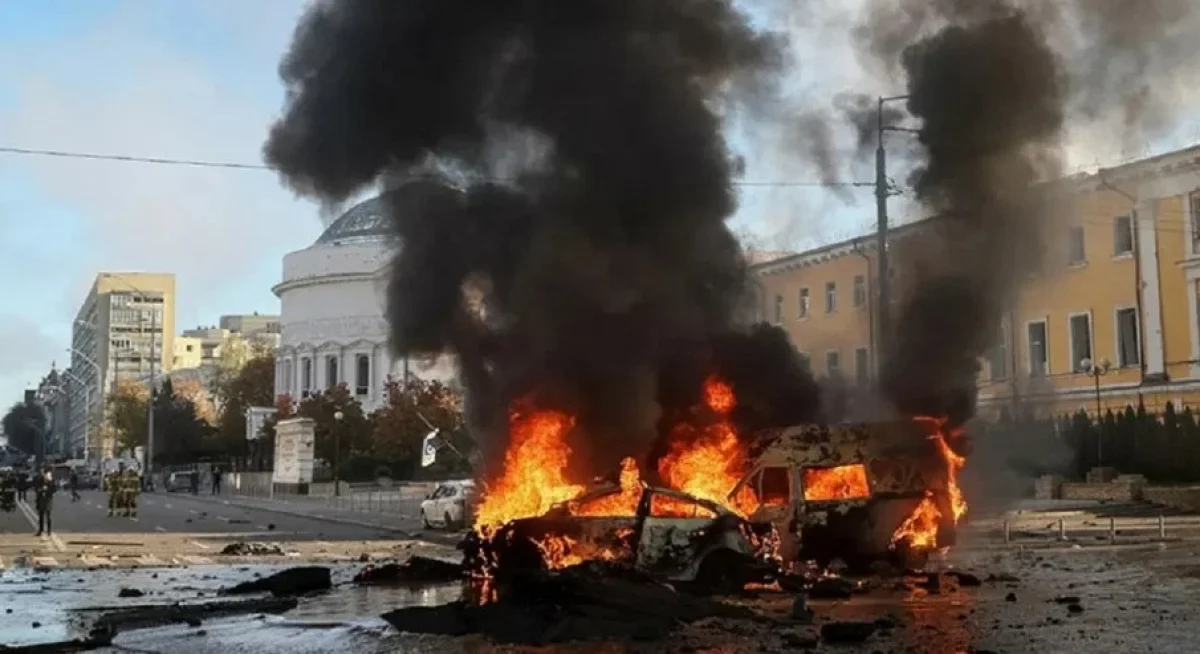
x=179, y=482
x=451, y=505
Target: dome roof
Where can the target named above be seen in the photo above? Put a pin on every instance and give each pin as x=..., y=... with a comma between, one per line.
x=365, y=221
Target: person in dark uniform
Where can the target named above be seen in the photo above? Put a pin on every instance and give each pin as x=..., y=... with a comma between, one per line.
x=73, y=483
x=44, y=489
x=22, y=485
x=216, y=481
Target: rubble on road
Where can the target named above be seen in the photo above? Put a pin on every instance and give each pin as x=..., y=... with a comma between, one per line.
x=580, y=603
x=416, y=569
x=286, y=583
x=847, y=632
x=243, y=548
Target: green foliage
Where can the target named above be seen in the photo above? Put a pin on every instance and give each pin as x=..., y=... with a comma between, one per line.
x=236, y=390
x=1165, y=447
x=24, y=426
x=350, y=435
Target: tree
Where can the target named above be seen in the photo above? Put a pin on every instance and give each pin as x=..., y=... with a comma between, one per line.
x=180, y=433
x=127, y=409
x=399, y=427
x=352, y=433
x=253, y=385
x=25, y=426
x=194, y=392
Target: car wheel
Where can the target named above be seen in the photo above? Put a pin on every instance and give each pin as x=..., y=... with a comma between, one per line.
x=425, y=520
x=450, y=524
x=721, y=573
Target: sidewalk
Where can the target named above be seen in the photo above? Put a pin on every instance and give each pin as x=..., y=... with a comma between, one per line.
x=321, y=509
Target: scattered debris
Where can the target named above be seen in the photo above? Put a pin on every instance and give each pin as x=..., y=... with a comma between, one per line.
x=800, y=611
x=417, y=569
x=1001, y=578
x=800, y=640
x=1075, y=607
x=293, y=581
x=1066, y=599
x=964, y=579
x=131, y=592
x=832, y=588
x=580, y=603
x=847, y=632
x=1011, y=597
x=243, y=548
x=142, y=617
x=95, y=640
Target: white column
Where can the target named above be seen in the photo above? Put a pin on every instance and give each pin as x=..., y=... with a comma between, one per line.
x=1151, y=290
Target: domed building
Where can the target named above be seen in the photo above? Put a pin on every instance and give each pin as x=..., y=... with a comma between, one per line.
x=332, y=321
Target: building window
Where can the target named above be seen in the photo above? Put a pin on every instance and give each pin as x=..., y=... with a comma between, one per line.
x=331, y=371
x=1081, y=339
x=830, y=297
x=802, y=312
x=1076, y=253
x=833, y=364
x=778, y=309
x=860, y=291
x=362, y=377
x=1194, y=205
x=1122, y=235
x=1039, y=363
x=306, y=374
x=1129, y=352
x=998, y=358
x=862, y=368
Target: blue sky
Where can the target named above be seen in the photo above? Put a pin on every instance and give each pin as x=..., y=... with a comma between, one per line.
x=196, y=79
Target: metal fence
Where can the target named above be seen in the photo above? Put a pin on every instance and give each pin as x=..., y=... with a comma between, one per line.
x=399, y=499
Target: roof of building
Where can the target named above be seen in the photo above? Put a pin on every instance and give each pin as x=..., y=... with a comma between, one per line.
x=365, y=221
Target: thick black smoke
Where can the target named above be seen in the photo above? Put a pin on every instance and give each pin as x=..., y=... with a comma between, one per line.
x=994, y=86
x=571, y=243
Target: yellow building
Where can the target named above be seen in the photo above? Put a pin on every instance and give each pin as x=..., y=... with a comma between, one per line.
x=124, y=331
x=1133, y=227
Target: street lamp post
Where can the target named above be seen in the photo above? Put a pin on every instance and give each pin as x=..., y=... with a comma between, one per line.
x=1097, y=369
x=87, y=407
x=338, y=416
x=882, y=191
x=87, y=436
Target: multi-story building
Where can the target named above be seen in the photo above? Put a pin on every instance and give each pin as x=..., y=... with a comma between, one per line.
x=1119, y=285
x=125, y=329
x=250, y=324
x=52, y=395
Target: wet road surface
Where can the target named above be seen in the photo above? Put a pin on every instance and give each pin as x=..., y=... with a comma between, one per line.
x=174, y=529
x=1131, y=599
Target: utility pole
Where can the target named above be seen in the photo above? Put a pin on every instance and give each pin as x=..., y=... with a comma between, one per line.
x=150, y=409
x=882, y=191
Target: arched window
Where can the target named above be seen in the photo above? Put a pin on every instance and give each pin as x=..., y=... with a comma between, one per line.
x=362, y=378
x=331, y=371
x=306, y=377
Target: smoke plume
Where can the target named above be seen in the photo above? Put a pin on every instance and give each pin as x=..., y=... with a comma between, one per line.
x=569, y=244
x=994, y=86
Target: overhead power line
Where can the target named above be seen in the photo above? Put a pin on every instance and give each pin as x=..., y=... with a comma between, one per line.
x=199, y=163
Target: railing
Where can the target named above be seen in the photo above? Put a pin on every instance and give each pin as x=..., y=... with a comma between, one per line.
x=399, y=499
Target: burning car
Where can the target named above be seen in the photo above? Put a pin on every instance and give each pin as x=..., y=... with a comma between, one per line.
x=857, y=492
x=660, y=532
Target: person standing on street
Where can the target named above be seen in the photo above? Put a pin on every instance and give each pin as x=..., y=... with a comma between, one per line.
x=216, y=480
x=131, y=487
x=44, y=489
x=73, y=483
x=112, y=483
x=22, y=485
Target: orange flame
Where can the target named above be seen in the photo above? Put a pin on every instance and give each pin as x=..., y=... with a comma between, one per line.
x=847, y=482
x=922, y=526
x=710, y=463
x=534, y=466
x=622, y=503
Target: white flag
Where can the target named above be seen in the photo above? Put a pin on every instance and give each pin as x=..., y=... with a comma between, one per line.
x=429, y=448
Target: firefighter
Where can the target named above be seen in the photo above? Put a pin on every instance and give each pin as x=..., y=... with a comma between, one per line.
x=112, y=484
x=133, y=487
x=8, y=491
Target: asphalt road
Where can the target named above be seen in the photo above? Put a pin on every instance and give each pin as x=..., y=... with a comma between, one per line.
x=176, y=529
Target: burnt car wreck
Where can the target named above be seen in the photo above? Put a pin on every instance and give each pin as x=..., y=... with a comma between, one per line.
x=669, y=536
